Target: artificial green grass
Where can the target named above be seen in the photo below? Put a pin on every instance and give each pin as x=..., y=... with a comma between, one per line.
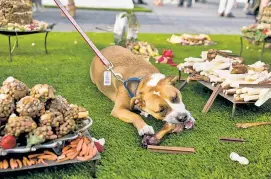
x=66, y=67
x=135, y=9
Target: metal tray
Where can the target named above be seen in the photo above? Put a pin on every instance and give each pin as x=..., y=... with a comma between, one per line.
x=56, y=145
x=17, y=33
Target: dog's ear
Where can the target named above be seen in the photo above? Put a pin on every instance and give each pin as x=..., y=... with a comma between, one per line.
x=171, y=80
x=136, y=103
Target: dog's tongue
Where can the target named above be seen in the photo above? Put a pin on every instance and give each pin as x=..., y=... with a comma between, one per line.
x=189, y=124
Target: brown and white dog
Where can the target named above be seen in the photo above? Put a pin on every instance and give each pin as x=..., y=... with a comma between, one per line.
x=155, y=95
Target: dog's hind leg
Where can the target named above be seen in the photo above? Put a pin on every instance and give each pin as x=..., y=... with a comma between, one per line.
x=122, y=111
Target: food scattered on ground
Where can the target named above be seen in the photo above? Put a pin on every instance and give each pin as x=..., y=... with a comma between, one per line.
x=242, y=160
x=142, y=48
x=166, y=58
x=193, y=40
x=226, y=139
x=252, y=124
x=36, y=115
x=227, y=69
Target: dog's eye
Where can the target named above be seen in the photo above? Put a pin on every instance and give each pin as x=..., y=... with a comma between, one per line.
x=175, y=99
x=162, y=110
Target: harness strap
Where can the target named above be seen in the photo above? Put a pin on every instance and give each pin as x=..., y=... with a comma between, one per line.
x=125, y=83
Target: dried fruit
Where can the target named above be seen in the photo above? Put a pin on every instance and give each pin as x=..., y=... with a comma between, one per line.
x=75, y=112
x=43, y=92
x=59, y=104
x=29, y=106
x=18, y=125
x=8, y=142
x=54, y=119
x=14, y=88
x=40, y=135
x=6, y=107
x=65, y=128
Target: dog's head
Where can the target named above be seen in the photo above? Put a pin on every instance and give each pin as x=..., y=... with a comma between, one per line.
x=159, y=98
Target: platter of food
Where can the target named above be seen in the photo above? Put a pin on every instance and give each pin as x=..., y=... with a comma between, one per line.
x=223, y=69
x=33, y=118
x=191, y=40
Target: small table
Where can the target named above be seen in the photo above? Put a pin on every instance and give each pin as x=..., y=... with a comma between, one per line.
x=216, y=90
x=10, y=33
x=266, y=40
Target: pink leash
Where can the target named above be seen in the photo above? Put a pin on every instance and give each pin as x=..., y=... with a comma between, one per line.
x=108, y=65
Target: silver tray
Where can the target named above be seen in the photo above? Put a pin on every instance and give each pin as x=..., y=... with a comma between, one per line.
x=56, y=145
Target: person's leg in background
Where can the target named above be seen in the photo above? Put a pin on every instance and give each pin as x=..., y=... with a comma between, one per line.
x=181, y=3
x=255, y=8
x=189, y=3
x=139, y=2
x=222, y=7
x=229, y=6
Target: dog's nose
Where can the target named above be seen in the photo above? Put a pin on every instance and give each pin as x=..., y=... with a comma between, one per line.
x=182, y=118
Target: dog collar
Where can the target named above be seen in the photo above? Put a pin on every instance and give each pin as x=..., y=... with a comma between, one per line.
x=134, y=79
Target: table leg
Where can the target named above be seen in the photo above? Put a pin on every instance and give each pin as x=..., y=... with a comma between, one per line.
x=17, y=42
x=233, y=110
x=211, y=100
x=241, y=45
x=261, y=58
x=45, y=42
x=94, y=165
x=9, y=45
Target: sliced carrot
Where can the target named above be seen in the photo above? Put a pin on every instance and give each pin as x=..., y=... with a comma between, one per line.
x=62, y=160
x=48, y=157
x=86, y=158
x=5, y=164
x=71, y=153
x=66, y=148
x=75, y=141
x=72, y=157
x=79, y=145
x=61, y=157
x=19, y=163
x=42, y=161
x=29, y=163
x=25, y=161
x=49, y=153
x=91, y=148
x=33, y=156
x=84, y=149
x=95, y=151
x=33, y=161
x=86, y=140
x=88, y=149
x=13, y=163
x=73, y=145
x=68, y=151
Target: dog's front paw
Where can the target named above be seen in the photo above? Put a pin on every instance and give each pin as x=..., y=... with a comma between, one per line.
x=146, y=130
x=149, y=140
